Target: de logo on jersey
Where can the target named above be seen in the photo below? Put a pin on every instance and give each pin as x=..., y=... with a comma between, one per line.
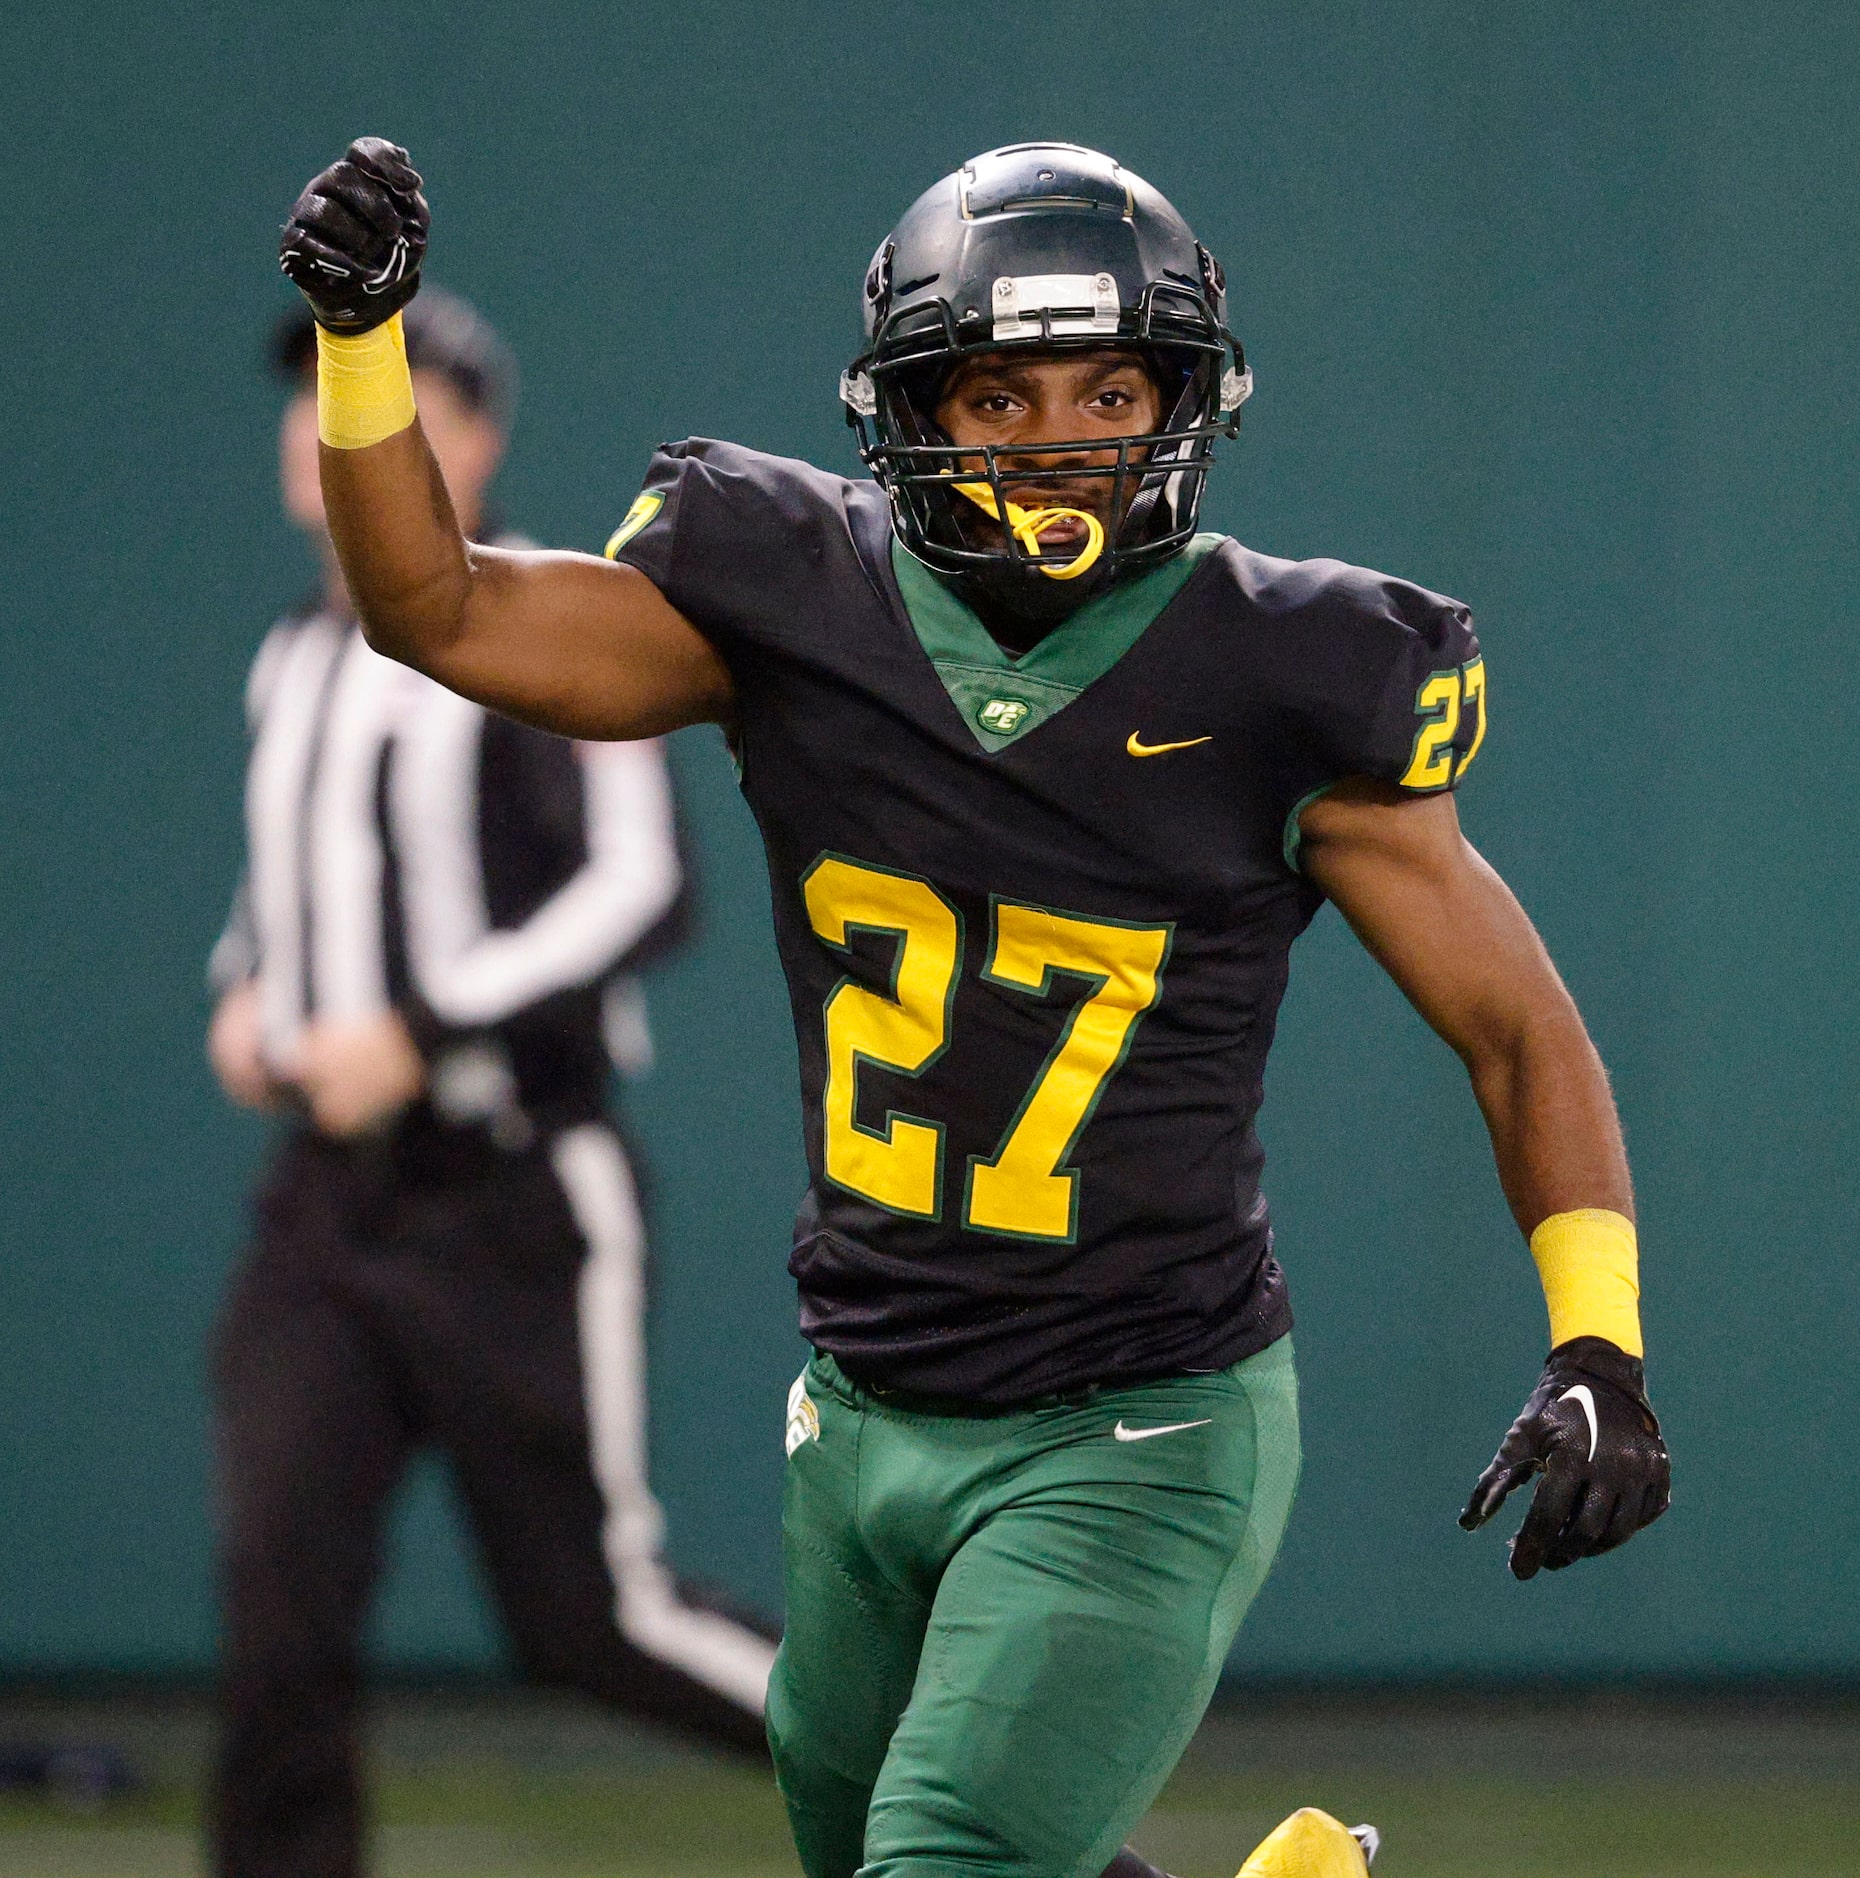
x=1002, y=715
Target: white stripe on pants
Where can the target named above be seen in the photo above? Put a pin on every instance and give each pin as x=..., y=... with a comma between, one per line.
x=594, y=1174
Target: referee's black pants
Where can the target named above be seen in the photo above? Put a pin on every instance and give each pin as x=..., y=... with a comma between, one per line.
x=434, y=1291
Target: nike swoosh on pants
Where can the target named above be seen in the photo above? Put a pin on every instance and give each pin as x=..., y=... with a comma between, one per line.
x=1147, y=1434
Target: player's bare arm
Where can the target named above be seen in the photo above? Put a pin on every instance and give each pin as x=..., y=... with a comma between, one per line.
x=568, y=642
x=1449, y=932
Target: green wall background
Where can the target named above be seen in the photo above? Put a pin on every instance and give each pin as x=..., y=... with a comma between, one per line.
x=1553, y=307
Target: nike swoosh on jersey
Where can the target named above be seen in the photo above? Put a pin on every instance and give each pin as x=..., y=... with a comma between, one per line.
x=1137, y=747
x=1149, y=1434
x=1581, y=1396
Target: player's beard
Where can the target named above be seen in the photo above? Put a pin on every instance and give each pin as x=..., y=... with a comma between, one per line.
x=1019, y=605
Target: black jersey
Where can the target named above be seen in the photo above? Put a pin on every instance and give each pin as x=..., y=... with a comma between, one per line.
x=1036, y=913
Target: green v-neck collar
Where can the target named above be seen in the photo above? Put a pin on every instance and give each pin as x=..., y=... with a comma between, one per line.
x=1002, y=698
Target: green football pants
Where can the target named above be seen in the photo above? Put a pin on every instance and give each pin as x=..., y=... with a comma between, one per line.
x=1003, y=1629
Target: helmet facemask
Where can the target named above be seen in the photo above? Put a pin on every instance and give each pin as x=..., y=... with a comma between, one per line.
x=948, y=500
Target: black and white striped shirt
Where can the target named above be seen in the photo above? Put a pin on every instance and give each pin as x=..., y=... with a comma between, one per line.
x=408, y=850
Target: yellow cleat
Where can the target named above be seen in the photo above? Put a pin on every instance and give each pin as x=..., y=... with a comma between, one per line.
x=1312, y=1845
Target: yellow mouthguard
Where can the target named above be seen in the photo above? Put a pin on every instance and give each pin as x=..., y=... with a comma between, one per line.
x=1027, y=525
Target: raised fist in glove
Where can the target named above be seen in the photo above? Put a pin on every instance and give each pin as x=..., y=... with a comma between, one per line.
x=356, y=237
x=1589, y=1429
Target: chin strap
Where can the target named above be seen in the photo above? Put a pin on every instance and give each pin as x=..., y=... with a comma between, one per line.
x=1027, y=525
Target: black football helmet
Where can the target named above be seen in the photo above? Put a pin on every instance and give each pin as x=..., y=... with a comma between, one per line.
x=1042, y=246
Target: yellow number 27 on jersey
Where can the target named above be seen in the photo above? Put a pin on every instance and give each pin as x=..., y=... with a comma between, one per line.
x=1444, y=702
x=1024, y=1188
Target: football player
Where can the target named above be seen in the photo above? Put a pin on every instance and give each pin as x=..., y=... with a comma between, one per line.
x=1049, y=781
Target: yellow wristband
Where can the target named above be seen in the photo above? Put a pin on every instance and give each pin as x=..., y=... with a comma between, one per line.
x=364, y=391
x=1589, y=1262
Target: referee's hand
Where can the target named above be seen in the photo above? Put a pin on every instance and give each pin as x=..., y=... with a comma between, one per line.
x=357, y=1074
x=236, y=1049
x=355, y=238
x=1590, y=1431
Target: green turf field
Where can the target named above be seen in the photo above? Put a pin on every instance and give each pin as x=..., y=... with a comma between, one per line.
x=534, y=1789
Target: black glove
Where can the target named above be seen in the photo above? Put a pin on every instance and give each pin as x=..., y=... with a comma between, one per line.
x=1589, y=1429
x=356, y=237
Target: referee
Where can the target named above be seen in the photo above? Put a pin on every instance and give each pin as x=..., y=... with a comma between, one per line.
x=427, y=976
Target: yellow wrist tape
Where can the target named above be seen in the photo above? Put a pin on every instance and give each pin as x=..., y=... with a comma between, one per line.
x=1589, y=1262
x=364, y=391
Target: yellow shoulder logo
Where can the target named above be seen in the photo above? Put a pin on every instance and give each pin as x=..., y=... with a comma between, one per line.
x=646, y=505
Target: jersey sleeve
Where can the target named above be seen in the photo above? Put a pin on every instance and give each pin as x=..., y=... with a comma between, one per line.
x=733, y=538
x=1406, y=700
x=647, y=537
